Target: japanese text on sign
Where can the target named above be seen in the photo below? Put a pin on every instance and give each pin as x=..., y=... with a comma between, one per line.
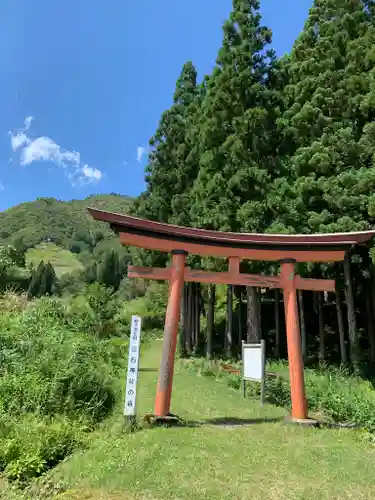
x=132, y=375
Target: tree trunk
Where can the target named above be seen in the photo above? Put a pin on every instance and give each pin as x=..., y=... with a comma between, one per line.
x=229, y=322
x=370, y=326
x=193, y=321
x=197, y=318
x=322, y=350
x=277, y=323
x=253, y=333
x=372, y=338
x=303, y=325
x=259, y=311
x=193, y=317
x=189, y=326
x=239, y=319
x=182, y=340
x=340, y=324
x=210, y=319
x=352, y=323
x=202, y=310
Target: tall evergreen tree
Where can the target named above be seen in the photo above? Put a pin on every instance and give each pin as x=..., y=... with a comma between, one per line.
x=165, y=174
x=110, y=270
x=327, y=127
x=43, y=281
x=36, y=280
x=327, y=124
x=233, y=129
x=48, y=280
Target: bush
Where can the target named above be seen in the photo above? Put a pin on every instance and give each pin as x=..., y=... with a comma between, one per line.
x=29, y=446
x=57, y=380
x=331, y=392
x=151, y=307
x=48, y=369
x=94, y=311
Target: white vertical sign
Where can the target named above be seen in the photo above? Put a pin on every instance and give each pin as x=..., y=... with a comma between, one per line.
x=133, y=361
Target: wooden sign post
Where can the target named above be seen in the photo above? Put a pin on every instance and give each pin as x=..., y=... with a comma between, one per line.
x=132, y=373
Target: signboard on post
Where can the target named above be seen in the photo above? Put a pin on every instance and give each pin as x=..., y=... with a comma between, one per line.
x=133, y=361
x=254, y=365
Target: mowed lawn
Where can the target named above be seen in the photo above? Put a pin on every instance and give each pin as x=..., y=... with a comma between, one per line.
x=264, y=459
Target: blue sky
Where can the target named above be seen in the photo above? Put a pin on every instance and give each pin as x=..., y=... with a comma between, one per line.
x=83, y=85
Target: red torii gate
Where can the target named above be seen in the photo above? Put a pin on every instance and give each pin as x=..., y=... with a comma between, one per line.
x=286, y=249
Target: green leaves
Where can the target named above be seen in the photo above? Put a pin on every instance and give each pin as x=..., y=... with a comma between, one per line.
x=171, y=167
x=234, y=129
x=267, y=145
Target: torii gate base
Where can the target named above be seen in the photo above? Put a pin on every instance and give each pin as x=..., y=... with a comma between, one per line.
x=286, y=249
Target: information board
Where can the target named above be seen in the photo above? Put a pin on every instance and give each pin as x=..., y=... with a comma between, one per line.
x=254, y=364
x=133, y=361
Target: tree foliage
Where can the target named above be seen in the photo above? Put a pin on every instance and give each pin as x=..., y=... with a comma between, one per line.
x=68, y=224
x=273, y=144
x=43, y=281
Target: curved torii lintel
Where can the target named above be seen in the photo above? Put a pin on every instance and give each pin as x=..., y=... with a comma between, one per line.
x=164, y=237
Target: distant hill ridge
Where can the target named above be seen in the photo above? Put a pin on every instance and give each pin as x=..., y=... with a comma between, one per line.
x=65, y=223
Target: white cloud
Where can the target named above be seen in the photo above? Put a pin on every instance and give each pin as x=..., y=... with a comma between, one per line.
x=18, y=140
x=141, y=151
x=92, y=173
x=45, y=149
x=2, y=187
x=85, y=175
x=28, y=121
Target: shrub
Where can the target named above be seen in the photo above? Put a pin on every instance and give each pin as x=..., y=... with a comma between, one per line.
x=56, y=380
x=94, y=311
x=49, y=369
x=59, y=365
x=151, y=307
x=332, y=392
x=30, y=446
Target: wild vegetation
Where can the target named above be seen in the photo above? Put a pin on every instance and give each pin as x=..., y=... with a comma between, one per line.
x=59, y=369
x=262, y=144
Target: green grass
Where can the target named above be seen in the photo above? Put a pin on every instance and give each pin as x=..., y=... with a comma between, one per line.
x=62, y=260
x=261, y=460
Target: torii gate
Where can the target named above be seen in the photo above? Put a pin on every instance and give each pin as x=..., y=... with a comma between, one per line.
x=285, y=249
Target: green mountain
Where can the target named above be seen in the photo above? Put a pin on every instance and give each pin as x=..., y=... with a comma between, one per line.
x=65, y=224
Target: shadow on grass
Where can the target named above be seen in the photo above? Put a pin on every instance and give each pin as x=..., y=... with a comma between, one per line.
x=239, y=422
x=220, y=422
x=148, y=369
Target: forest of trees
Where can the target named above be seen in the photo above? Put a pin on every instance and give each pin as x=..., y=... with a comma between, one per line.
x=278, y=145
x=67, y=225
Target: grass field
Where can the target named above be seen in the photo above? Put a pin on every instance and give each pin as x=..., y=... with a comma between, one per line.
x=62, y=260
x=217, y=457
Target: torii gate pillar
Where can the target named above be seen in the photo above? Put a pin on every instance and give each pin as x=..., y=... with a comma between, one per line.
x=172, y=317
x=296, y=373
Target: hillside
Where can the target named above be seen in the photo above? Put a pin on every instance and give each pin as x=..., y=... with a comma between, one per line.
x=62, y=260
x=66, y=224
